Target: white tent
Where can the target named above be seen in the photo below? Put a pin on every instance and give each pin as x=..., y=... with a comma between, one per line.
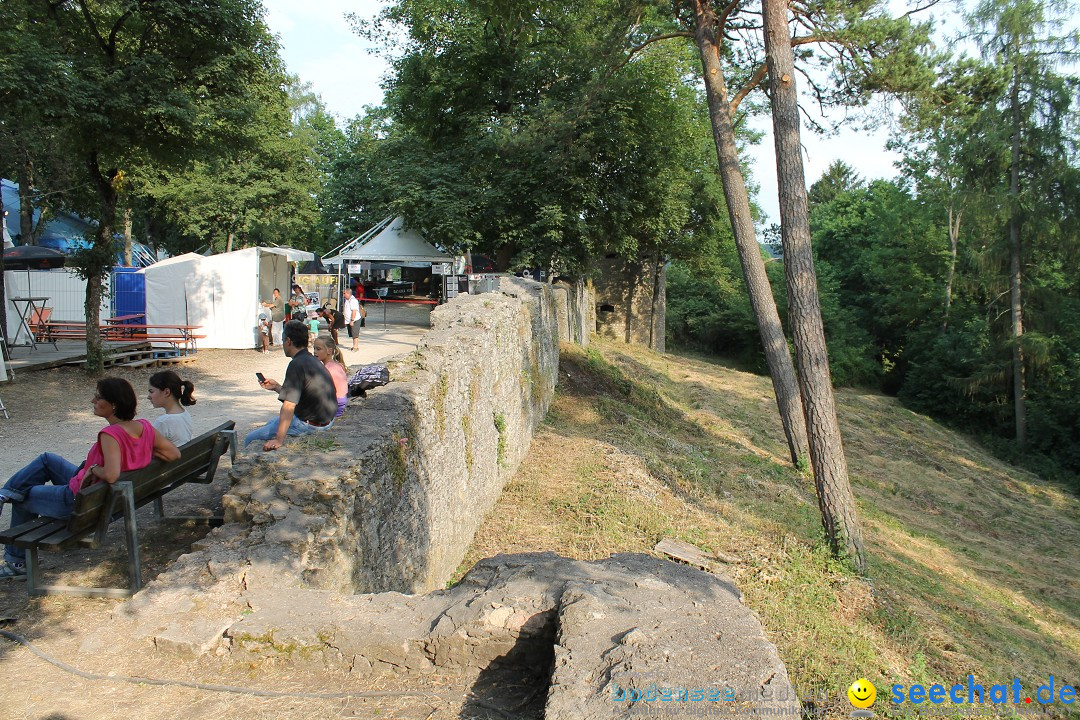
x=219, y=292
x=392, y=243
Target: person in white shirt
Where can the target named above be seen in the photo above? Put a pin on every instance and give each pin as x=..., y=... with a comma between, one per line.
x=351, y=311
x=171, y=394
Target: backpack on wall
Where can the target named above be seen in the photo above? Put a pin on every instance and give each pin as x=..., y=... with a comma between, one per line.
x=368, y=377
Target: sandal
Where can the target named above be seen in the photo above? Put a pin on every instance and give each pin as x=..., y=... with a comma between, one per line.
x=12, y=571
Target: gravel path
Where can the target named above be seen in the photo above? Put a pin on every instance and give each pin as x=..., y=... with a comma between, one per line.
x=50, y=409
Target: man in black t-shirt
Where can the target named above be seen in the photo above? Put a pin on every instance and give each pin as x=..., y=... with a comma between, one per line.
x=308, y=399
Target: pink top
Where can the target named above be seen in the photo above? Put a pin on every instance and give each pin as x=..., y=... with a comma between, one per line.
x=135, y=453
x=341, y=381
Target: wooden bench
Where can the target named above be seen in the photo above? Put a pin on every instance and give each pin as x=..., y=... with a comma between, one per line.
x=98, y=505
x=52, y=331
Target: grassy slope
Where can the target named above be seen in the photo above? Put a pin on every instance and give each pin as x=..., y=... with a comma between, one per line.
x=973, y=564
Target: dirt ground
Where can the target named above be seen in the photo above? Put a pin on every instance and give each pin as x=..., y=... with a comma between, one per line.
x=50, y=410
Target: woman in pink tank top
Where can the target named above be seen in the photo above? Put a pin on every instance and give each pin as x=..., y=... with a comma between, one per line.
x=47, y=486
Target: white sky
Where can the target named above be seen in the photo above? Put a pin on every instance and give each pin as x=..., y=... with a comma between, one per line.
x=320, y=47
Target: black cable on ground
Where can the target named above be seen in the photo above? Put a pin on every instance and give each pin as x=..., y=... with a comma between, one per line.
x=19, y=639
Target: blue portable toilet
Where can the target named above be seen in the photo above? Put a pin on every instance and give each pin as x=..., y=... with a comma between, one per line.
x=129, y=293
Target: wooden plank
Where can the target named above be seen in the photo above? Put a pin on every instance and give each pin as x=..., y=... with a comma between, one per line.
x=32, y=538
x=58, y=539
x=119, y=593
x=148, y=362
x=180, y=360
x=11, y=534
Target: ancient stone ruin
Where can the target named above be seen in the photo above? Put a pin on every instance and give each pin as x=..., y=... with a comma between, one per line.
x=339, y=557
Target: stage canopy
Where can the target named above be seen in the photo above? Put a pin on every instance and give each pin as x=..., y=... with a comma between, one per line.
x=389, y=242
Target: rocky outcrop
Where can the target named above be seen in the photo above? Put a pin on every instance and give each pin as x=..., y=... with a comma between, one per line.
x=619, y=635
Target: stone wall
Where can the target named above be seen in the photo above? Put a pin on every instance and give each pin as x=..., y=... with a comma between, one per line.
x=390, y=497
x=630, y=301
x=575, y=308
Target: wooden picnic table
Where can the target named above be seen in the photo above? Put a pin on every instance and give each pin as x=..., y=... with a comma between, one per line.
x=124, y=319
x=176, y=335
x=182, y=337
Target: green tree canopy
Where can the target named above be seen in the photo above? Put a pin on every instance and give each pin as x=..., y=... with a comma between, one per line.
x=515, y=132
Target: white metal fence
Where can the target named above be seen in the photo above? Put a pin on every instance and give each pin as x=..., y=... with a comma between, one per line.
x=66, y=293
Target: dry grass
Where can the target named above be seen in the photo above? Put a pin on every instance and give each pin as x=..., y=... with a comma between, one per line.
x=973, y=564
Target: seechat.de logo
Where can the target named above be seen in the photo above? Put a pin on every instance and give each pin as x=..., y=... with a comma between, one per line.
x=861, y=695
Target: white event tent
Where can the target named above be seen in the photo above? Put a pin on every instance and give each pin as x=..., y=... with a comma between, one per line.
x=388, y=241
x=219, y=292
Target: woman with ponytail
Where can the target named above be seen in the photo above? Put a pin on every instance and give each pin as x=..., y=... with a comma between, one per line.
x=171, y=394
x=329, y=354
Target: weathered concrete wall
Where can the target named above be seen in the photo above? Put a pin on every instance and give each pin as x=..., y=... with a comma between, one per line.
x=390, y=497
x=575, y=308
x=631, y=301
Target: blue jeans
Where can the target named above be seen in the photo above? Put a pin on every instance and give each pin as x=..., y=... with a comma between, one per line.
x=30, y=496
x=297, y=427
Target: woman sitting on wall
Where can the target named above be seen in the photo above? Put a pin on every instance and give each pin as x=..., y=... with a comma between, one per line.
x=124, y=444
x=329, y=354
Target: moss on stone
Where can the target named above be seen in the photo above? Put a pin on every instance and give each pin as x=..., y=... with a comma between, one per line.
x=500, y=426
x=466, y=428
x=442, y=389
x=399, y=459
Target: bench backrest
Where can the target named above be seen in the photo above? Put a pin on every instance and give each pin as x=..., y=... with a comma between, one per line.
x=198, y=457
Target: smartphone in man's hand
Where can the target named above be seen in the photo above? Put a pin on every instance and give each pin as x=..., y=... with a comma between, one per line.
x=262, y=378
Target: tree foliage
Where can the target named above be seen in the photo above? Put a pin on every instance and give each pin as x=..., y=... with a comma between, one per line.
x=893, y=248
x=513, y=130
x=259, y=188
x=124, y=87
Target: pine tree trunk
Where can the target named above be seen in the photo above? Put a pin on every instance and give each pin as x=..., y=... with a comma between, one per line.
x=127, y=237
x=954, y=243
x=835, y=500
x=738, y=203
x=657, y=341
x=1016, y=308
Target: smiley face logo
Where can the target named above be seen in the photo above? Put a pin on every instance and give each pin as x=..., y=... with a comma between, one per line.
x=862, y=693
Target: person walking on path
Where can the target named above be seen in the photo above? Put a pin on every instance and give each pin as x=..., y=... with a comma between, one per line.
x=276, y=306
x=264, y=330
x=308, y=398
x=351, y=311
